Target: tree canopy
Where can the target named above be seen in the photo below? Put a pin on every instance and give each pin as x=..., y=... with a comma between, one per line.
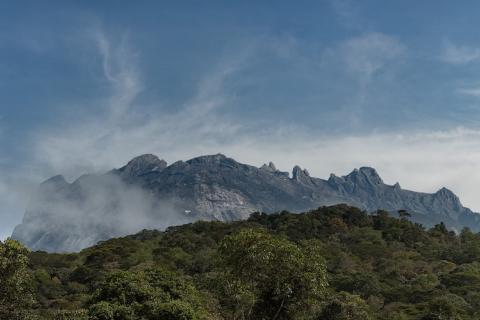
x=331, y=263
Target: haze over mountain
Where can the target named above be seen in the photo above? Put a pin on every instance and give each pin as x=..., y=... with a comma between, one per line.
x=149, y=194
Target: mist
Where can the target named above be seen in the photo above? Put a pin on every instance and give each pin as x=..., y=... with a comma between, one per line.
x=65, y=217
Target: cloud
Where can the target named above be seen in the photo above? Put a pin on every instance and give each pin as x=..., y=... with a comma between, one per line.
x=462, y=55
x=369, y=53
x=459, y=55
x=118, y=131
x=119, y=69
x=15, y=190
x=348, y=13
x=473, y=92
x=361, y=63
x=102, y=207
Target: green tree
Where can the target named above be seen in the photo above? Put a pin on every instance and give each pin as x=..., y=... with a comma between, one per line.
x=153, y=294
x=269, y=277
x=447, y=307
x=345, y=306
x=16, y=296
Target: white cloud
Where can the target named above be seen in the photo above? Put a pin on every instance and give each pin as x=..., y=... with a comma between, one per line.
x=456, y=54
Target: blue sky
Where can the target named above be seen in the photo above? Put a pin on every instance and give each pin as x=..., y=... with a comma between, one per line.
x=330, y=85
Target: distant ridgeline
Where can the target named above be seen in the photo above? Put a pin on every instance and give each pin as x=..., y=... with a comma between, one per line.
x=148, y=194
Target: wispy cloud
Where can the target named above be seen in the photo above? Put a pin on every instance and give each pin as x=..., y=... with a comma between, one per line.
x=364, y=59
x=460, y=54
x=15, y=190
x=473, y=92
x=119, y=131
x=347, y=12
x=120, y=70
x=369, y=53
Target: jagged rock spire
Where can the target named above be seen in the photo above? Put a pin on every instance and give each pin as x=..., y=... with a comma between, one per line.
x=365, y=174
x=143, y=164
x=270, y=167
x=300, y=175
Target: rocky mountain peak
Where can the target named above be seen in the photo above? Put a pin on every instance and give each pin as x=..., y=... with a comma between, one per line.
x=447, y=194
x=54, y=183
x=55, y=180
x=143, y=164
x=445, y=191
x=365, y=175
x=208, y=159
x=334, y=178
x=300, y=175
x=371, y=174
x=445, y=199
x=270, y=167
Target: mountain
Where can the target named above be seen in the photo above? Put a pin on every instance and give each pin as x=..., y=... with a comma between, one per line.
x=147, y=193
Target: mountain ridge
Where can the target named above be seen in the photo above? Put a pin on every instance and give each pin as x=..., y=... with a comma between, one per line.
x=149, y=193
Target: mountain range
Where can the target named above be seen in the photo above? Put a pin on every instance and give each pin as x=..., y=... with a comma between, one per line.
x=149, y=194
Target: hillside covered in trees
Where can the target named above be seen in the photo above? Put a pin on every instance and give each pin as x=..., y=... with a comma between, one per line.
x=331, y=263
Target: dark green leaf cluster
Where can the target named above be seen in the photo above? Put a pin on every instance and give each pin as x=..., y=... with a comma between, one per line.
x=16, y=296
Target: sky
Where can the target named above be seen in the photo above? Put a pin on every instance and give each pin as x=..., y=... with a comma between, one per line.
x=330, y=85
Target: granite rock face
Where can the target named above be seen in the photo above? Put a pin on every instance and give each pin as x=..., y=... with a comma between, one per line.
x=146, y=193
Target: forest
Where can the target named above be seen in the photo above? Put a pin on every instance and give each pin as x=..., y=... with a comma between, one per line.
x=336, y=262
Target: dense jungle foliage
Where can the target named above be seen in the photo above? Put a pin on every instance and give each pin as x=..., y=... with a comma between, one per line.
x=331, y=263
